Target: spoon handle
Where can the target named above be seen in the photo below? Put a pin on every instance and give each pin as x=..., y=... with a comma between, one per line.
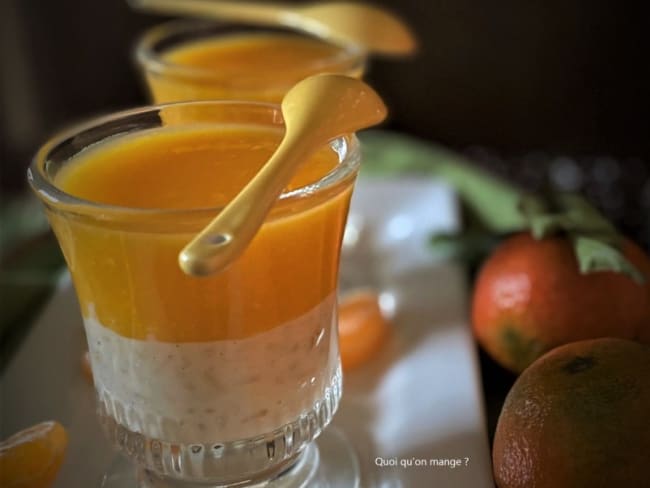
x=247, y=12
x=226, y=237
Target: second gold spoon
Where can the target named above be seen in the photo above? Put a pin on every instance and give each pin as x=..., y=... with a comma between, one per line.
x=316, y=110
x=371, y=28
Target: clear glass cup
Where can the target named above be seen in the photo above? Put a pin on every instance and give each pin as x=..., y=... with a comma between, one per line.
x=197, y=399
x=169, y=81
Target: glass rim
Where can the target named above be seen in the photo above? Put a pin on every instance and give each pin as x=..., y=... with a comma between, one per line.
x=350, y=55
x=56, y=198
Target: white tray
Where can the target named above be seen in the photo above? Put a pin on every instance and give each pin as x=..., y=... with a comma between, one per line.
x=418, y=402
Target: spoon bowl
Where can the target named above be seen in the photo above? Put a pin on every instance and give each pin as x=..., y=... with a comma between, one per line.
x=324, y=107
x=316, y=110
x=373, y=28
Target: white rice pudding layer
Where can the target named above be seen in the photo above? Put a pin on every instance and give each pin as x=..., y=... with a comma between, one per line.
x=217, y=391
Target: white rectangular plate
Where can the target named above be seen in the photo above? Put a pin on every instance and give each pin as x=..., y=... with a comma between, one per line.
x=416, y=405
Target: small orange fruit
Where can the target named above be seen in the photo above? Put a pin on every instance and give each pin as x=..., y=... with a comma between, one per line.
x=363, y=329
x=32, y=457
x=530, y=297
x=577, y=418
x=86, y=368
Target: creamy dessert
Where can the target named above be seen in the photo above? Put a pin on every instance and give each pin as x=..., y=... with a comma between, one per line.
x=218, y=359
x=224, y=390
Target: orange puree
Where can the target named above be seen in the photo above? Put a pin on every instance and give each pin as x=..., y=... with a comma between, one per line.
x=246, y=66
x=125, y=269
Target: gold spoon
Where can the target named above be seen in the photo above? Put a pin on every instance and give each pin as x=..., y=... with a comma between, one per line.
x=372, y=28
x=316, y=110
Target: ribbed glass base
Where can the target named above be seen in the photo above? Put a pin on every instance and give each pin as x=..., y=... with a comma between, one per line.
x=244, y=462
x=328, y=463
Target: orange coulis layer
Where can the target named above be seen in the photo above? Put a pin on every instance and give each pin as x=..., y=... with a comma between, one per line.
x=245, y=66
x=126, y=272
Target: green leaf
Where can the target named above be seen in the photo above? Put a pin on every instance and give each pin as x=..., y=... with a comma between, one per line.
x=548, y=224
x=596, y=255
x=582, y=216
x=563, y=212
x=595, y=240
x=470, y=246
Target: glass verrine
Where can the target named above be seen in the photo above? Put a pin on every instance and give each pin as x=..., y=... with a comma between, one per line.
x=200, y=60
x=223, y=379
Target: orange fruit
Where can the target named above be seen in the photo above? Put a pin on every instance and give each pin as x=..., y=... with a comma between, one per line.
x=86, y=367
x=363, y=329
x=578, y=418
x=530, y=297
x=32, y=457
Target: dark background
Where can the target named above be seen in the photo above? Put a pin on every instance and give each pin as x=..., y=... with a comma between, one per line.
x=540, y=91
x=515, y=75
x=536, y=90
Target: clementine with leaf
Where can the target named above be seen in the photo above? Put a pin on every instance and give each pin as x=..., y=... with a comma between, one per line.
x=530, y=296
